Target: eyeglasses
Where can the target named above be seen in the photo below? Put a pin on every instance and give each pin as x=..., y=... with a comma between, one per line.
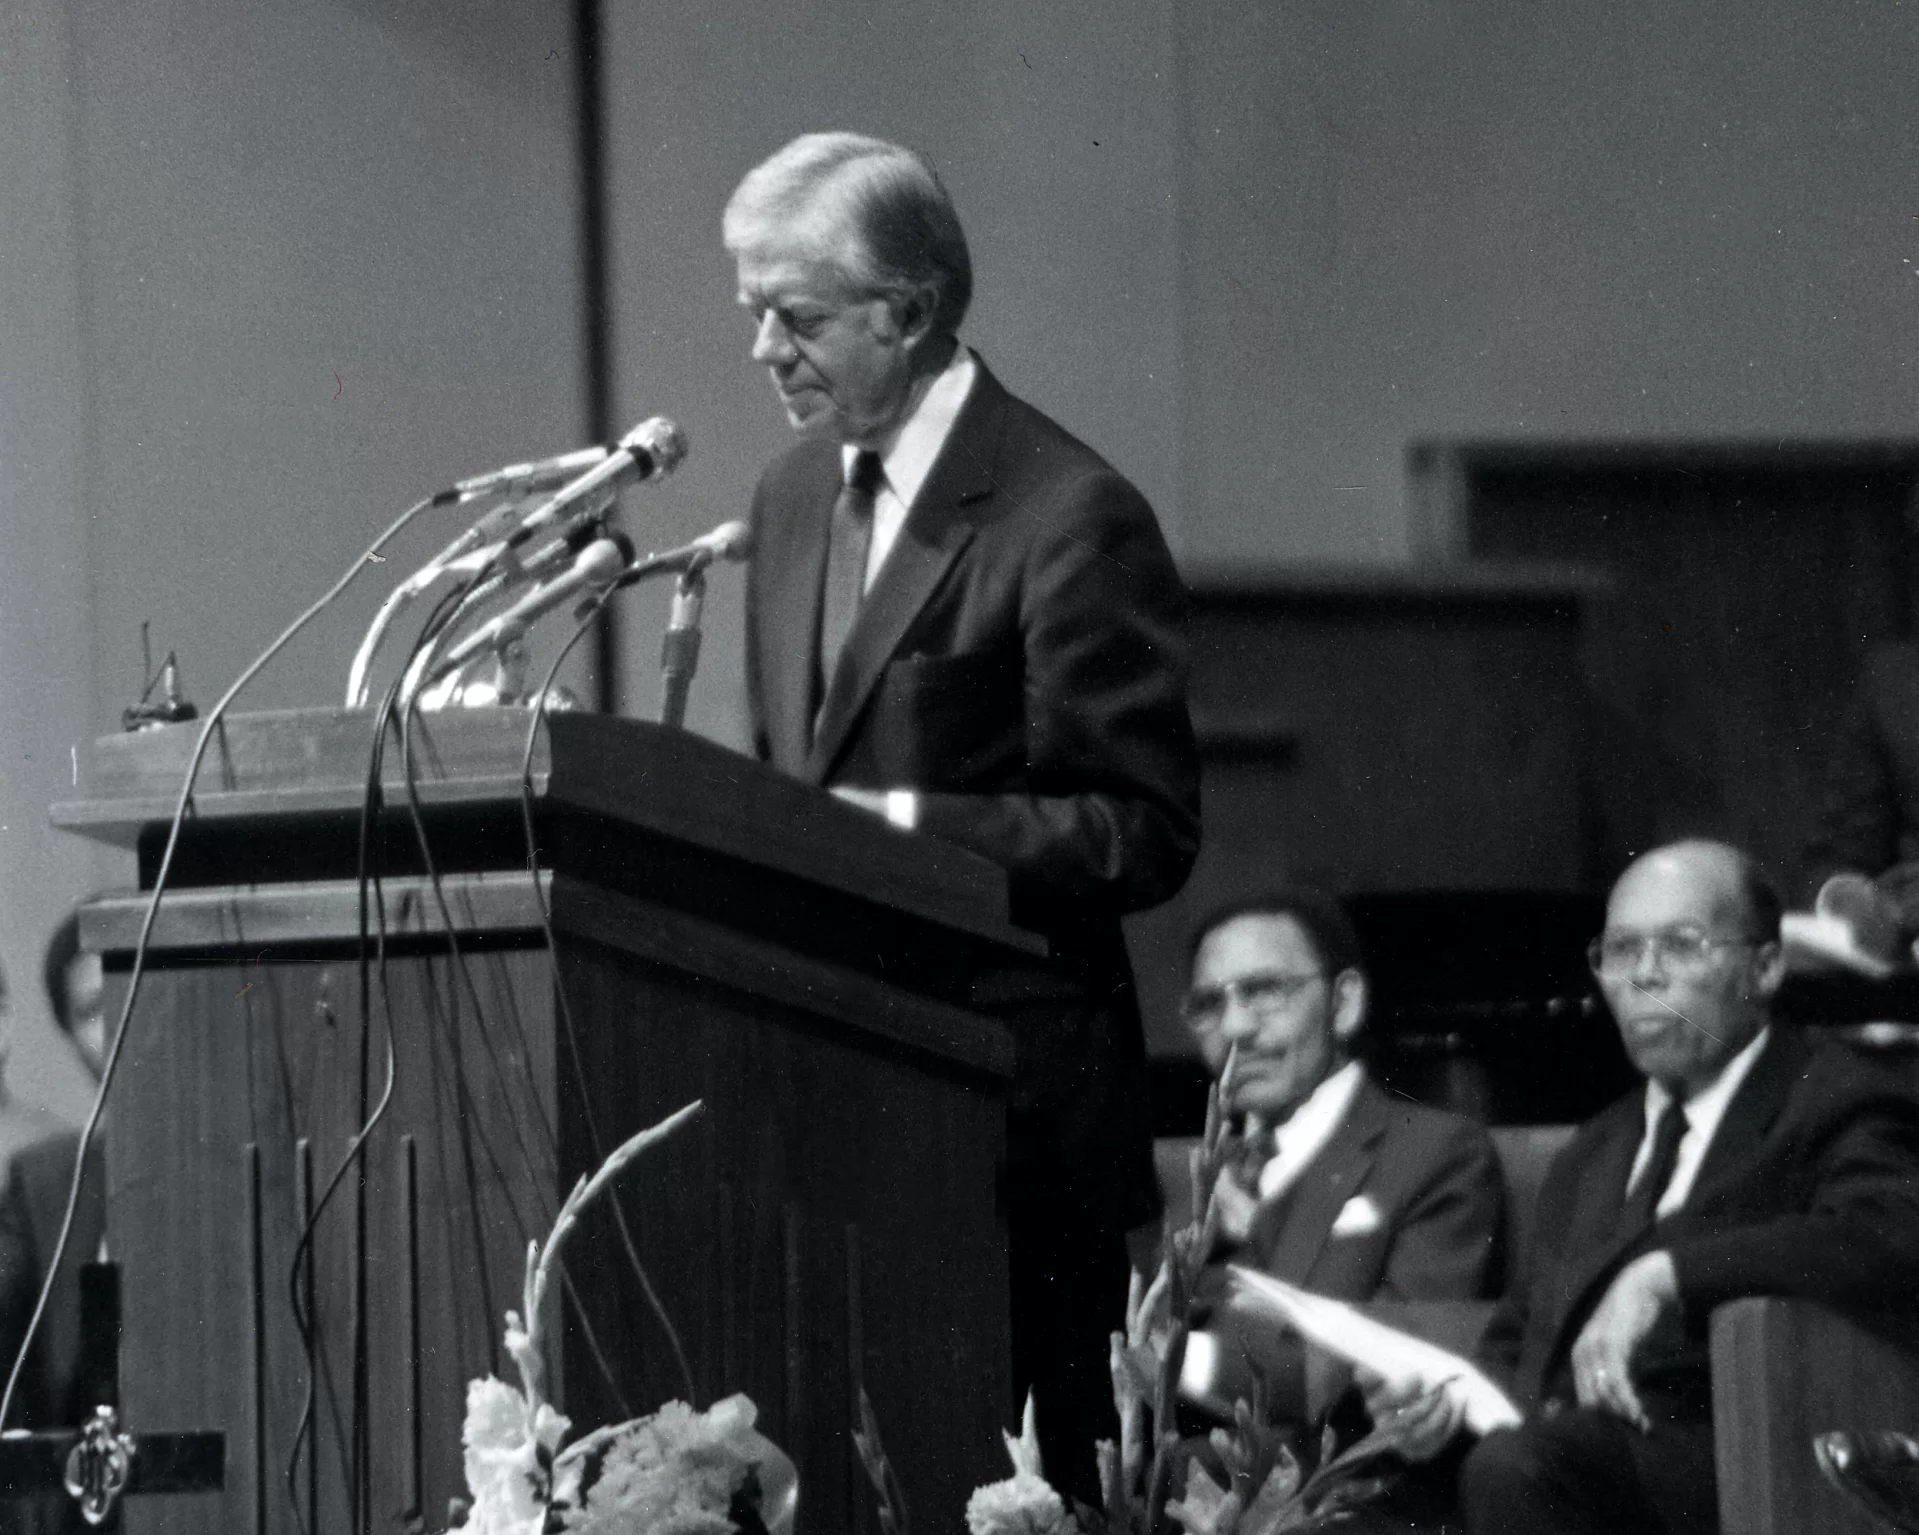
x=1262, y=995
x=1675, y=950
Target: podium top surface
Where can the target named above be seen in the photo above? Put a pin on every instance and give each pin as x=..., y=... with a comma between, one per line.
x=290, y=767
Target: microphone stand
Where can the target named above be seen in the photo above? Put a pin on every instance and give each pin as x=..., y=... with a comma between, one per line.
x=680, y=645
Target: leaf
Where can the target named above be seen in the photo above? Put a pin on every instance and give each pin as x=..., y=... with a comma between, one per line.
x=1024, y=1451
x=1207, y=1508
x=879, y=1470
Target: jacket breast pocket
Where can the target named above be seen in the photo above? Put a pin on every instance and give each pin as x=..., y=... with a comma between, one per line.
x=953, y=722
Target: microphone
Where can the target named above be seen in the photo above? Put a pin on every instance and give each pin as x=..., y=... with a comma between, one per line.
x=480, y=548
x=598, y=564
x=729, y=541
x=653, y=448
x=680, y=645
x=578, y=531
x=535, y=474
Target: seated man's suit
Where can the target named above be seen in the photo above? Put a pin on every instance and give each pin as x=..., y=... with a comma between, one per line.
x=1809, y=1188
x=1403, y=1203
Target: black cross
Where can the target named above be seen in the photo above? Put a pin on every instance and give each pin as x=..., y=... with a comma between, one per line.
x=97, y=1463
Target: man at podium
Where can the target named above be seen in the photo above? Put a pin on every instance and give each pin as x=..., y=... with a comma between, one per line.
x=962, y=619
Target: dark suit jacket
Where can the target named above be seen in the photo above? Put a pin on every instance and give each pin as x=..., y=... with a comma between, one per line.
x=1869, y=819
x=31, y=1209
x=1432, y=1178
x=1020, y=661
x=1810, y=1188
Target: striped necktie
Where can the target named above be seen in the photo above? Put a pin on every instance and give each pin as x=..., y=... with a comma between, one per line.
x=848, y=540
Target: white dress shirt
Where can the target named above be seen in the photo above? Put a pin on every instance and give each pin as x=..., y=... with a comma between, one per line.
x=1704, y=1110
x=904, y=464
x=1308, y=1128
x=908, y=459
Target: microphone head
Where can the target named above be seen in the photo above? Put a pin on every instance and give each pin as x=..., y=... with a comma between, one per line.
x=657, y=446
x=730, y=541
x=602, y=560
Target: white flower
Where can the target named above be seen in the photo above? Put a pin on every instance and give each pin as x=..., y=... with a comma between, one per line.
x=673, y=1473
x=1023, y=1504
x=1208, y=1508
x=1024, y=1451
x=508, y=1455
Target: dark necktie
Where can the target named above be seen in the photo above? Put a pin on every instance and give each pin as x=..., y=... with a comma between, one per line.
x=1246, y=1155
x=848, y=540
x=1643, y=1201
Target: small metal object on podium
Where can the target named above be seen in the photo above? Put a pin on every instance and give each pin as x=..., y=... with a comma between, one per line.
x=100, y=1462
x=99, y=1465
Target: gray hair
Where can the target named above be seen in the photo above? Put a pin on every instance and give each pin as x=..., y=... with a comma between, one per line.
x=874, y=210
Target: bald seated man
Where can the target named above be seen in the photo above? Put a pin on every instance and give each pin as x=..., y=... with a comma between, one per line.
x=1754, y=1161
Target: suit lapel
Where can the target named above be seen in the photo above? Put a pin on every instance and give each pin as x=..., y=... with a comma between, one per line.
x=788, y=639
x=936, y=530
x=1289, y=1232
x=1592, y=1239
x=1734, y=1149
x=1761, y=1098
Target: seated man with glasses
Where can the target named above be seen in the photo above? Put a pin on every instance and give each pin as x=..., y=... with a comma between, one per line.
x=1333, y=1185
x=1753, y=1162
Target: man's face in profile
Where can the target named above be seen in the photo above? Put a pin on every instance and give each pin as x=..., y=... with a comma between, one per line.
x=1259, y=984
x=837, y=357
x=86, y=1010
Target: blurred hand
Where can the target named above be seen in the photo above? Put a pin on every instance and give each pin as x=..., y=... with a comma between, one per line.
x=1641, y=1293
x=872, y=800
x=1898, y=887
x=1235, y=1204
x=1422, y=1419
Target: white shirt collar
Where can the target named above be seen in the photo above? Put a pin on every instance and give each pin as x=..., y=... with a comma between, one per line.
x=1704, y=1110
x=909, y=458
x=1310, y=1126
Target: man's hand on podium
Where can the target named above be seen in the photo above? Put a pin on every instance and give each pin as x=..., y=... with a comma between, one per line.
x=899, y=806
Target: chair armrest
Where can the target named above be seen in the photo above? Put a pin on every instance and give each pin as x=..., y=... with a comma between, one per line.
x=1782, y=1371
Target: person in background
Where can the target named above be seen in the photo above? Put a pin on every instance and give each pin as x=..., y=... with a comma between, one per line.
x=1862, y=861
x=1331, y=1184
x=21, y=1124
x=962, y=619
x=34, y=1205
x=1753, y=1161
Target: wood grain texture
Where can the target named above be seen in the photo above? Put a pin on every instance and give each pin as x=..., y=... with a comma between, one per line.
x=221, y=1057
x=809, y=1132
x=1748, y=581
x=1782, y=1371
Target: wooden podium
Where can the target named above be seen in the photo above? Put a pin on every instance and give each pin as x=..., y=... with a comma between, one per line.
x=722, y=933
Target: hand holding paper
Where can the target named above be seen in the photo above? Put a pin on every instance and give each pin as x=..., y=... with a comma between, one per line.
x=1423, y=1419
x=1407, y=1367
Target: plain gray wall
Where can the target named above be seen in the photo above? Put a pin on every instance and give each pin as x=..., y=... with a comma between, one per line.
x=1530, y=218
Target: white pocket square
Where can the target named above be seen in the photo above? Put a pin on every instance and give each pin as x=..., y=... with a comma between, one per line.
x=1357, y=1216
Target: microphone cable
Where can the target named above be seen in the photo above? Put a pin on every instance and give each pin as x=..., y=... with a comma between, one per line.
x=214, y=719
x=594, y=1143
